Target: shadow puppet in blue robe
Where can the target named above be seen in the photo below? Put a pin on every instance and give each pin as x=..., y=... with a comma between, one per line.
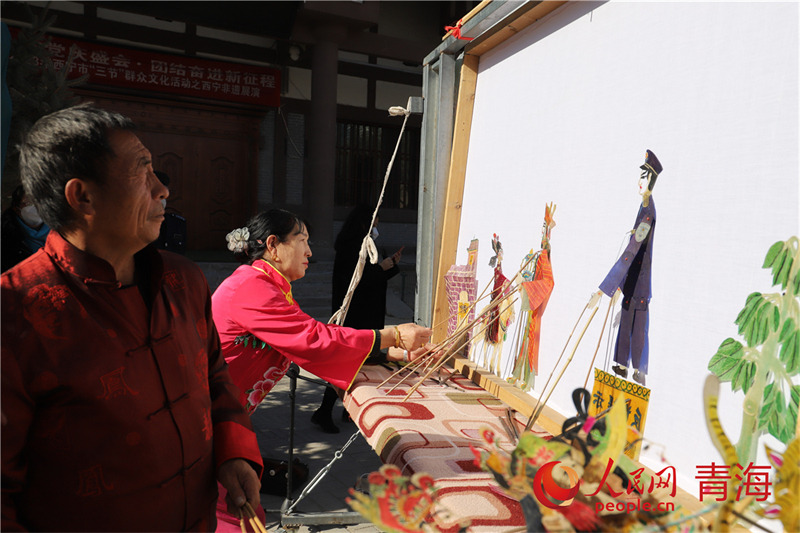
x=631, y=275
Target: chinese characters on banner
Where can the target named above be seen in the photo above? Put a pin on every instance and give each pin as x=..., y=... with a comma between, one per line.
x=151, y=71
x=608, y=389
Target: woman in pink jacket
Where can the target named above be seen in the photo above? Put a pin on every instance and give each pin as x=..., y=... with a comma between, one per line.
x=263, y=330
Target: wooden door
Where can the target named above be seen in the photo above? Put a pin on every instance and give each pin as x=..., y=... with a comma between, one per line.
x=209, y=185
x=210, y=156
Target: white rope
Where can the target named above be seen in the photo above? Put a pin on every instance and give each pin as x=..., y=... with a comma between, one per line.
x=368, y=245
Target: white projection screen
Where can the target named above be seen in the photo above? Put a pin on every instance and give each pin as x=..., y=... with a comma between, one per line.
x=564, y=112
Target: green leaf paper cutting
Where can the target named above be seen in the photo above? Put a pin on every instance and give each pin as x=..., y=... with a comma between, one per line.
x=794, y=400
x=772, y=254
x=727, y=360
x=788, y=328
x=790, y=353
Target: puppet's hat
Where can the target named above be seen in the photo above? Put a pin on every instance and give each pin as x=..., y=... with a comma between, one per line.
x=652, y=163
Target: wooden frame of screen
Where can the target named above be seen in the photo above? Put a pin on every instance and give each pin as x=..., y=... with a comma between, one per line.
x=550, y=420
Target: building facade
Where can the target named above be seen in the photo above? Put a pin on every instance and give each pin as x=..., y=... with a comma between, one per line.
x=251, y=105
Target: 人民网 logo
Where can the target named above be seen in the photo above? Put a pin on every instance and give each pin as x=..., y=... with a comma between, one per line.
x=548, y=492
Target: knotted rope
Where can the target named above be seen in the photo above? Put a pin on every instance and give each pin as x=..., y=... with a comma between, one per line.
x=368, y=245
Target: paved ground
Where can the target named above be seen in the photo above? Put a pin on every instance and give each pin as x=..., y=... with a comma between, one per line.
x=315, y=448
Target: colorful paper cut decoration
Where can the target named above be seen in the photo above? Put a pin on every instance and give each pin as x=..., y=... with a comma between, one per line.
x=500, y=282
x=499, y=316
x=631, y=275
x=766, y=362
x=538, y=285
x=764, y=365
x=581, y=479
x=785, y=508
x=461, y=286
x=724, y=517
x=396, y=503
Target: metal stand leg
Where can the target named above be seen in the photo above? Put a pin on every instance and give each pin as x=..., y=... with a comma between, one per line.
x=288, y=519
x=293, y=372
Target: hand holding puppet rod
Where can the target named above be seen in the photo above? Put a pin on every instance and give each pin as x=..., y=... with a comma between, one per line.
x=631, y=275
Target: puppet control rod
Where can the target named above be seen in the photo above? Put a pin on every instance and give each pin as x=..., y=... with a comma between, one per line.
x=444, y=350
x=447, y=347
x=640, y=240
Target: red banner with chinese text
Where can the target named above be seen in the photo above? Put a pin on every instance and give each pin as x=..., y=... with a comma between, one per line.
x=152, y=71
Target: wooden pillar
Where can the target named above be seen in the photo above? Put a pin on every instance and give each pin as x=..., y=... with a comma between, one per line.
x=319, y=187
x=455, y=190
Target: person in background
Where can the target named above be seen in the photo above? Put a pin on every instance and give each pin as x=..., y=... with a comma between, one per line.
x=368, y=306
x=172, y=236
x=262, y=328
x=120, y=411
x=23, y=230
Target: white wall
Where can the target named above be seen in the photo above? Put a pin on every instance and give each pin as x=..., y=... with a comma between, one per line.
x=564, y=112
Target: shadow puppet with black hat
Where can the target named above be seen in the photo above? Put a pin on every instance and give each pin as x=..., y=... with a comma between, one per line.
x=631, y=275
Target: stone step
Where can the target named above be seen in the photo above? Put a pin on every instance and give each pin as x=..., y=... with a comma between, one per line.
x=318, y=278
x=317, y=273
x=306, y=301
x=313, y=282
x=323, y=313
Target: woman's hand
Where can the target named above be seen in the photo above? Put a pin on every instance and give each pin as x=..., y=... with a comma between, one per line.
x=404, y=356
x=405, y=336
x=411, y=336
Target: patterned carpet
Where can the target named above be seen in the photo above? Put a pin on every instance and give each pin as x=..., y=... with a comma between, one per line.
x=432, y=432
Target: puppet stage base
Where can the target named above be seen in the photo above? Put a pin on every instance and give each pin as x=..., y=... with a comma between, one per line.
x=433, y=432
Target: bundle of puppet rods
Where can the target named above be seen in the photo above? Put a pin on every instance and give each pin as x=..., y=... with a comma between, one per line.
x=255, y=523
x=435, y=357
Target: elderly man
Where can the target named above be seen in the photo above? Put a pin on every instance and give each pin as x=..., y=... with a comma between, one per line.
x=121, y=414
